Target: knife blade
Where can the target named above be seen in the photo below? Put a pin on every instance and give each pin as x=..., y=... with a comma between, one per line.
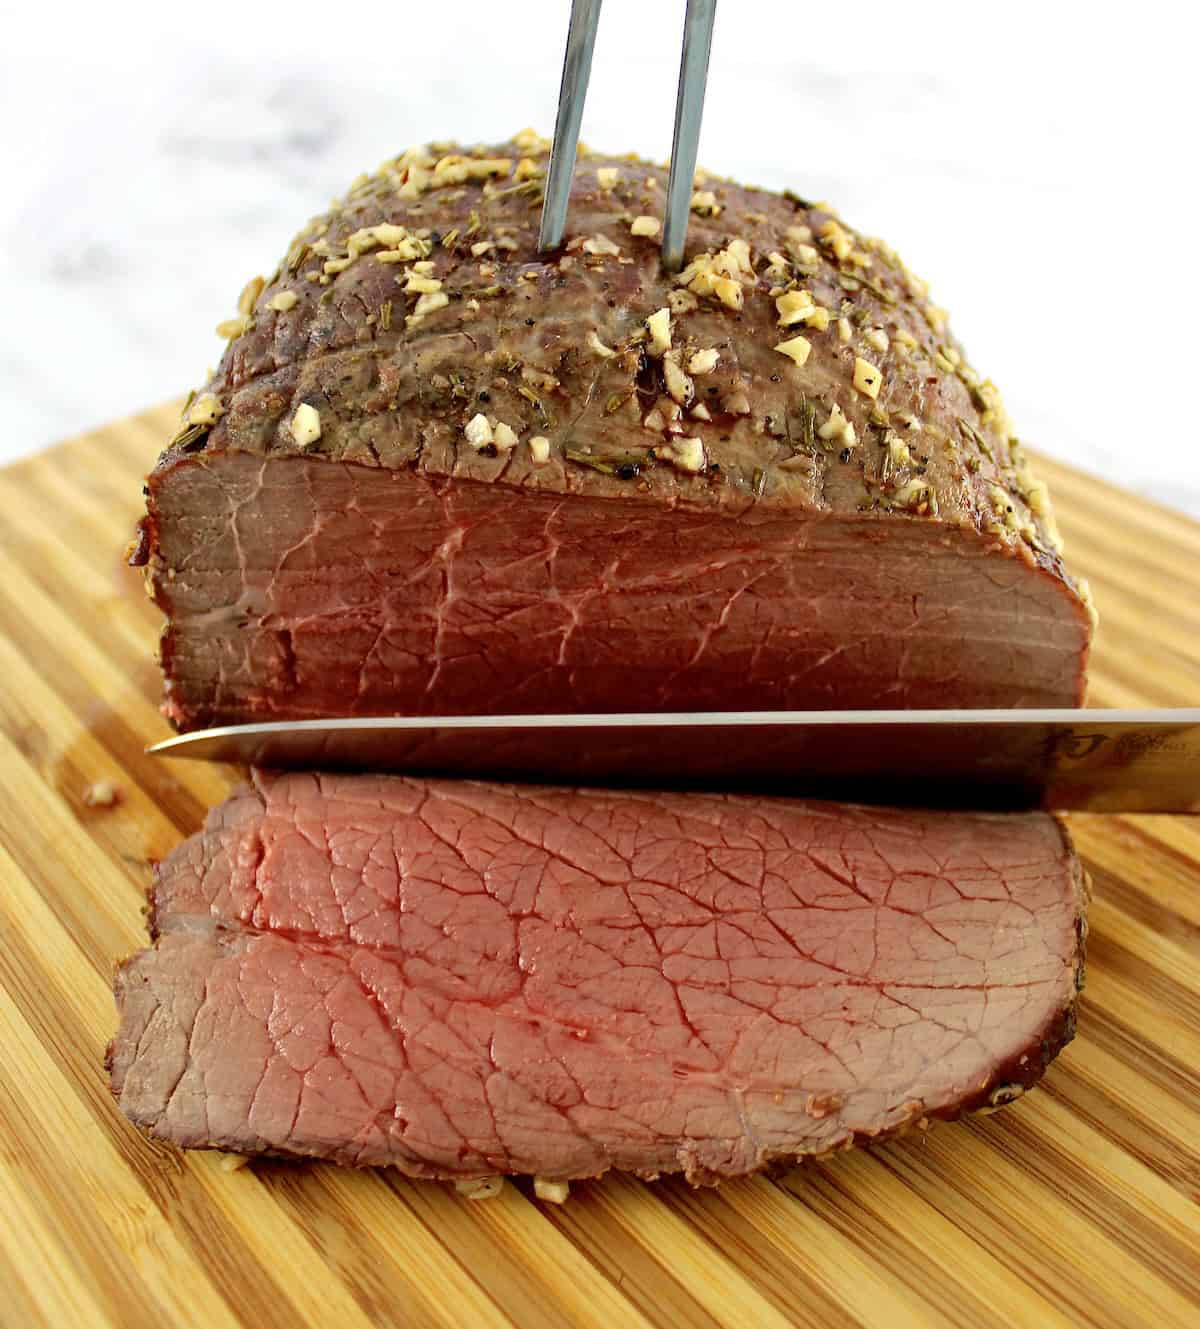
x=1084, y=760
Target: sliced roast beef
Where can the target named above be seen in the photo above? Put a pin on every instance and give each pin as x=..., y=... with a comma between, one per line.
x=439, y=472
x=461, y=979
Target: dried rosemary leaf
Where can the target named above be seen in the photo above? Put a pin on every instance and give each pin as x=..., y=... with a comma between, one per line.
x=760, y=481
x=808, y=423
x=616, y=401
x=623, y=467
x=385, y=315
x=190, y=438
x=297, y=257
x=525, y=187
x=873, y=286
x=979, y=439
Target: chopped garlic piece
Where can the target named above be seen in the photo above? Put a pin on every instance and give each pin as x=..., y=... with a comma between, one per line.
x=480, y=1188
x=679, y=386
x=428, y=303
x=504, y=436
x=606, y=177
x=845, y=331
x=867, y=378
x=837, y=427
x=235, y=327
x=705, y=203
x=659, y=327
x=529, y=140
x=554, y=1192
x=282, y=301
x=600, y=244
x=720, y=274
x=701, y=412
x=478, y=432
x=703, y=362
x=915, y=494
x=306, y=425
x=686, y=454
x=422, y=284
x=100, y=794
x=898, y=452
x=526, y=170
x=643, y=225
x=250, y=293
x=539, y=450
x=793, y=307
x=205, y=410
x=795, y=348
x=481, y=247
x=455, y=169
x=728, y=292
x=837, y=240
x=737, y=403
x=597, y=347
x=386, y=234
x=877, y=340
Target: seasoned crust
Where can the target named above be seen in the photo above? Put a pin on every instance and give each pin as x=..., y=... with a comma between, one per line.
x=415, y=324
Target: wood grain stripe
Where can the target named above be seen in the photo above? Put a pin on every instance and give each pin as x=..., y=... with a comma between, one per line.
x=88, y=1193
x=528, y=1270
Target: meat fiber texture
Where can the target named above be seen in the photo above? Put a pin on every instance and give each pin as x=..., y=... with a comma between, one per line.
x=437, y=472
x=462, y=979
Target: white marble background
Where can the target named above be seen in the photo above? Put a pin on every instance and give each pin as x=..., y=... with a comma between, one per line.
x=1037, y=162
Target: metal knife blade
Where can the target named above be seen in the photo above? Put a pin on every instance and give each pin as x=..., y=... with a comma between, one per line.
x=1089, y=760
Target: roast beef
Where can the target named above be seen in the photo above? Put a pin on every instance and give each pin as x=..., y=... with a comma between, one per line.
x=463, y=979
x=437, y=472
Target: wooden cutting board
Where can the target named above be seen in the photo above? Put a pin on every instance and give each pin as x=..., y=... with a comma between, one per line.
x=1079, y=1205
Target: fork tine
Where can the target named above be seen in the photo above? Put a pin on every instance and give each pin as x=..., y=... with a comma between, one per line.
x=577, y=68
x=689, y=107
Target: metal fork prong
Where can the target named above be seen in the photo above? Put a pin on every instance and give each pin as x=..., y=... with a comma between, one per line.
x=577, y=68
x=689, y=107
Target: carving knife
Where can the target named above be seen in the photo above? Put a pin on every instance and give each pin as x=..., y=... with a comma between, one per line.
x=1087, y=760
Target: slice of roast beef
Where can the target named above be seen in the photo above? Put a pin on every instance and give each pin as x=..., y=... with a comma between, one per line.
x=466, y=486
x=465, y=979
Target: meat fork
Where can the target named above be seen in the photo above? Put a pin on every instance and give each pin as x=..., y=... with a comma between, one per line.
x=689, y=106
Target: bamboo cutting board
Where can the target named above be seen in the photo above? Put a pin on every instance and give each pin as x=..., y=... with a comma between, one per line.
x=1080, y=1205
